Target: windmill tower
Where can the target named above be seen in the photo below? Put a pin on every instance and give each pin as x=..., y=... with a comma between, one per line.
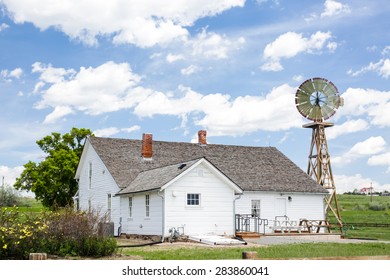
x=317, y=99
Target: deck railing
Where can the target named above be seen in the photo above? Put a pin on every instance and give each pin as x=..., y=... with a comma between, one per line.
x=250, y=223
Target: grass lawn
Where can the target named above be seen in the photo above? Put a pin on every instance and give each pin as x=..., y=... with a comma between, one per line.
x=31, y=205
x=307, y=250
x=355, y=209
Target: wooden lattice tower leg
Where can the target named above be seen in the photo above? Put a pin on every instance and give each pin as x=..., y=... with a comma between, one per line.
x=319, y=169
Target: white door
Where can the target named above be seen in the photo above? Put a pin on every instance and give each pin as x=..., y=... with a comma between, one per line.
x=280, y=206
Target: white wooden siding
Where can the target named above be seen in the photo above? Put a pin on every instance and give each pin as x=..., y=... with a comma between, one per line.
x=102, y=184
x=214, y=215
x=308, y=206
x=139, y=223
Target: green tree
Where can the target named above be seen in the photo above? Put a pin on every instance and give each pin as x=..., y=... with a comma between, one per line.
x=52, y=180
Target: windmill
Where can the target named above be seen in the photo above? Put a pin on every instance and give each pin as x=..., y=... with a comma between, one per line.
x=317, y=99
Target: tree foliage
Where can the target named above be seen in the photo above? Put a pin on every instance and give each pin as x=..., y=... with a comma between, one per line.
x=52, y=180
x=8, y=196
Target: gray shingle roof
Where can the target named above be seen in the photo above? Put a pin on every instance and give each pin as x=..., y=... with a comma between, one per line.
x=156, y=178
x=251, y=168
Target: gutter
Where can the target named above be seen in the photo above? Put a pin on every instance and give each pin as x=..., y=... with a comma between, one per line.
x=161, y=194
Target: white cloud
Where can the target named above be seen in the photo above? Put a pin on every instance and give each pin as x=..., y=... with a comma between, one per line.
x=16, y=73
x=275, y=2
x=332, y=46
x=3, y=27
x=107, y=88
x=333, y=8
x=251, y=113
x=172, y=58
x=49, y=74
x=386, y=51
x=58, y=113
x=106, y=132
x=221, y=115
x=371, y=146
x=211, y=45
x=291, y=44
x=273, y=66
x=347, y=127
x=373, y=103
x=10, y=174
x=384, y=70
x=144, y=23
x=11, y=74
x=109, y=131
x=382, y=159
x=346, y=183
x=203, y=46
x=382, y=67
x=111, y=87
x=190, y=70
x=298, y=78
x=131, y=129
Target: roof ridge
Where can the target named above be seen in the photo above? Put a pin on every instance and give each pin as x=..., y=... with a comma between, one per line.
x=186, y=143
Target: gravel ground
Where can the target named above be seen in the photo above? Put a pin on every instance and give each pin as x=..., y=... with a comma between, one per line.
x=273, y=239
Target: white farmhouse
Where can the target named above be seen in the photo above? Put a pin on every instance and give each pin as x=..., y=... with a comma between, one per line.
x=149, y=187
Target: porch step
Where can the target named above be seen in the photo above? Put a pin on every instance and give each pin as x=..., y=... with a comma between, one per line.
x=248, y=235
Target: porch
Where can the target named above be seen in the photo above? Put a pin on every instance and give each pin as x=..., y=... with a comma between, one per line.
x=251, y=226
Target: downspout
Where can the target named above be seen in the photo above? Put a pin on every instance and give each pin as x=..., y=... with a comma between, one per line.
x=234, y=212
x=163, y=215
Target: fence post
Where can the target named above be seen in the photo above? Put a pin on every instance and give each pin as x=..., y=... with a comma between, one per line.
x=37, y=256
x=251, y=255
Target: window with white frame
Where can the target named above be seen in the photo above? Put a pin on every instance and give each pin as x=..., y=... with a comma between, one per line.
x=109, y=203
x=130, y=206
x=255, y=208
x=90, y=175
x=193, y=199
x=147, y=205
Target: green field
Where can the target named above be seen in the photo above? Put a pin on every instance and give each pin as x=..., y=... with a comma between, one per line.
x=30, y=205
x=355, y=210
x=307, y=250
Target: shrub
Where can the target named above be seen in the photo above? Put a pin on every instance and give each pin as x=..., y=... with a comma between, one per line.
x=8, y=197
x=359, y=207
x=375, y=206
x=17, y=238
x=61, y=233
x=76, y=233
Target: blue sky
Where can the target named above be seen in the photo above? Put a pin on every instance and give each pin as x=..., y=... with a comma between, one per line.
x=171, y=68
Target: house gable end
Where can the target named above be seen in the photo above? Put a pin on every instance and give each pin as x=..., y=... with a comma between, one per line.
x=81, y=163
x=216, y=172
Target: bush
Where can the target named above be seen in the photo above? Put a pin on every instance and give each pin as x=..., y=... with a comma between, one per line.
x=19, y=235
x=8, y=197
x=60, y=233
x=375, y=206
x=359, y=207
x=76, y=233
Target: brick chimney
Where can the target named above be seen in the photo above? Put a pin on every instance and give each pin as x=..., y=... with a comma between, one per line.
x=147, y=146
x=202, y=137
